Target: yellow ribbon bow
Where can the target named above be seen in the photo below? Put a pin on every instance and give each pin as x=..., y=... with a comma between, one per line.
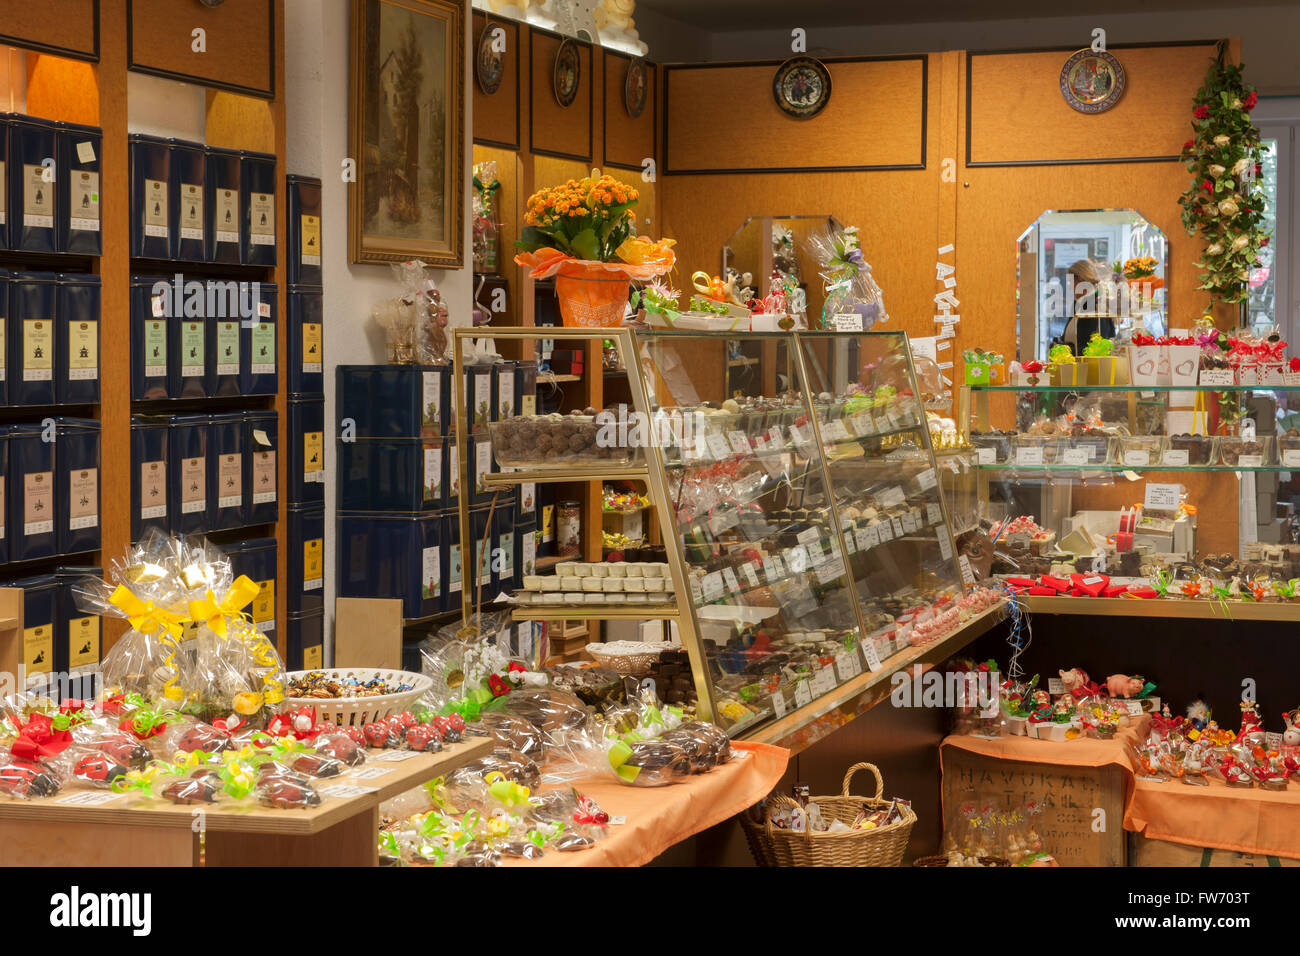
x=145, y=616
x=208, y=611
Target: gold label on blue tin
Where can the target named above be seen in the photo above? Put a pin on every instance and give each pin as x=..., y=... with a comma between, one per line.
x=155, y=208
x=38, y=350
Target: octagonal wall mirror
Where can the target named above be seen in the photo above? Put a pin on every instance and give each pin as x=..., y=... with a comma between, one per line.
x=1080, y=271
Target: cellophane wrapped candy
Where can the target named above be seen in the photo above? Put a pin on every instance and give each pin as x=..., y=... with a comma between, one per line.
x=850, y=287
x=192, y=649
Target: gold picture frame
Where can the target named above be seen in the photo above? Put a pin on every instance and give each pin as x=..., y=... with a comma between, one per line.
x=406, y=127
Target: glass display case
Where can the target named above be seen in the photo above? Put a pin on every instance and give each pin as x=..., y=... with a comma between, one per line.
x=1170, y=492
x=807, y=546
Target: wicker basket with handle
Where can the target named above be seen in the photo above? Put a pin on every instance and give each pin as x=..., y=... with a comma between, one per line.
x=882, y=846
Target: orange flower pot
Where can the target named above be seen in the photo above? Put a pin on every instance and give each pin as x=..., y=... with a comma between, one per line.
x=592, y=298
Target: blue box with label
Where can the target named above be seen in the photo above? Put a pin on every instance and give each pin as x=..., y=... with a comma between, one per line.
x=505, y=564
x=394, y=401
x=256, y=558
x=226, y=477
x=79, y=226
x=526, y=540
x=396, y=556
x=77, y=339
x=306, y=451
x=526, y=388
x=33, y=514
x=150, y=158
x=391, y=474
x=227, y=301
x=33, y=205
x=4, y=494
x=257, y=196
x=77, y=646
x=483, y=534
x=149, y=448
x=190, y=500
x=306, y=342
x=187, y=198
x=504, y=384
x=261, y=478
x=305, y=230
x=37, y=654
x=187, y=334
x=259, y=373
x=77, y=497
x=5, y=177
x=34, y=363
x=481, y=465
x=150, y=356
x=306, y=563
x=479, y=396
x=305, y=641
x=6, y=333
x=221, y=206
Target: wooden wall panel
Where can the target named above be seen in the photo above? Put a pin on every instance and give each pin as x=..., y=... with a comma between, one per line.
x=68, y=28
x=555, y=130
x=496, y=117
x=627, y=142
x=240, y=122
x=1016, y=113
x=62, y=89
x=722, y=117
x=241, y=43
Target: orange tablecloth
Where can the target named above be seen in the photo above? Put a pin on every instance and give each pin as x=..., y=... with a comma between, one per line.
x=1217, y=816
x=658, y=817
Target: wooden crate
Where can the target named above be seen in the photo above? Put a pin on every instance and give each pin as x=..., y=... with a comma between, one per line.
x=1145, y=852
x=1072, y=829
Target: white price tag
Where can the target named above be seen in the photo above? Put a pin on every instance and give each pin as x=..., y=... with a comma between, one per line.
x=1250, y=461
x=945, y=547
x=775, y=437
x=778, y=704
x=884, y=530
x=797, y=559
x=713, y=586
x=729, y=577
x=1160, y=497
x=369, y=773
x=739, y=443
x=846, y=663
x=394, y=756
x=894, y=496
x=898, y=526
x=1138, y=459
x=1055, y=687
x=346, y=790
x=848, y=322
x=933, y=513
x=809, y=535
x=926, y=479
x=802, y=693
x=836, y=431
x=1291, y=457
x=89, y=798
x=862, y=424
x=850, y=545
x=910, y=524
x=1217, y=376
x=967, y=575
x=873, y=659
x=748, y=571
x=866, y=538
x=829, y=571
x=1077, y=456
x=718, y=446
x=823, y=681
x=1029, y=455
x=986, y=455
x=1176, y=457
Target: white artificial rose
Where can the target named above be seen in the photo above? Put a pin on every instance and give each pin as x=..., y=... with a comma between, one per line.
x=1240, y=242
x=1240, y=166
x=1215, y=249
x=1216, y=170
x=1243, y=274
x=1228, y=207
x=1222, y=140
x=1236, y=104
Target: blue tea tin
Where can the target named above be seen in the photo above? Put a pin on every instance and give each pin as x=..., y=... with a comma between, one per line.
x=260, y=375
x=77, y=645
x=394, y=556
x=305, y=642
x=188, y=199
x=149, y=439
x=33, y=184
x=526, y=548
x=482, y=465
x=226, y=477
x=190, y=501
x=479, y=396
x=221, y=204
x=256, y=558
x=257, y=195
x=505, y=564
x=227, y=300
x=76, y=458
x=525, y=388
x=394, y=401
x=77, y=339
x=5, y=177
x=38, y=657
x=6, y=333
x=306, y=451
x=150, y=357
x=504, y=382
x=33, y=510
x=306, y=342
x=151, y=236
x=33, y=351
x=261, y=479
x=79, y=190
x=306, y=543
x=391, y=474
x=188, y=336
x=4, y=494
x=304, y=230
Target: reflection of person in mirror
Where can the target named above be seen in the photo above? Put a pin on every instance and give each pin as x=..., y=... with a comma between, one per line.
x=1084, y=278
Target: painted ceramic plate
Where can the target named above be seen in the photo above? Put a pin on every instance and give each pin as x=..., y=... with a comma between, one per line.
x=634, y=88
x=802, y=86
x=1092, y=82
x=567, y=73
x=489, y=63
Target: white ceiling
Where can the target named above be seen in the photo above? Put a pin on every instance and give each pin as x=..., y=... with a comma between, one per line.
x=722, y=16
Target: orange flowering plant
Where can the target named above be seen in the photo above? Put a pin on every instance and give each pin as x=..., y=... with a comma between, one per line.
x=585, y=218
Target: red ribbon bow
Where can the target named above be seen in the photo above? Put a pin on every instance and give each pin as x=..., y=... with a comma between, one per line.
x=38, y=738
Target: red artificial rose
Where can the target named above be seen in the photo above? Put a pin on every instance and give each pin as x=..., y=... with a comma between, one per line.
x=1207, y=186
x=1188, y=145
x=1263, y=242
x=1259, y=169
x=1201, y=112
x=1295, y=364
x=1250, y=101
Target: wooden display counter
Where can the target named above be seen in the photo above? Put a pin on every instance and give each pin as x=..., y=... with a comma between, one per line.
x=135, y=830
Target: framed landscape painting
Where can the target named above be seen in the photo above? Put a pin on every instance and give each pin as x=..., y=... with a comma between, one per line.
x=407, y=130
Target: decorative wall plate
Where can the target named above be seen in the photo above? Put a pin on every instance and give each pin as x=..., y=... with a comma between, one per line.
x=802, y=86
x=489, y=64
x=635, y=86
x=567, y=73
x=1092, y=82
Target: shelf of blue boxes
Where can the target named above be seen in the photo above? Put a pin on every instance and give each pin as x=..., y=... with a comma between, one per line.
x=50, y=213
